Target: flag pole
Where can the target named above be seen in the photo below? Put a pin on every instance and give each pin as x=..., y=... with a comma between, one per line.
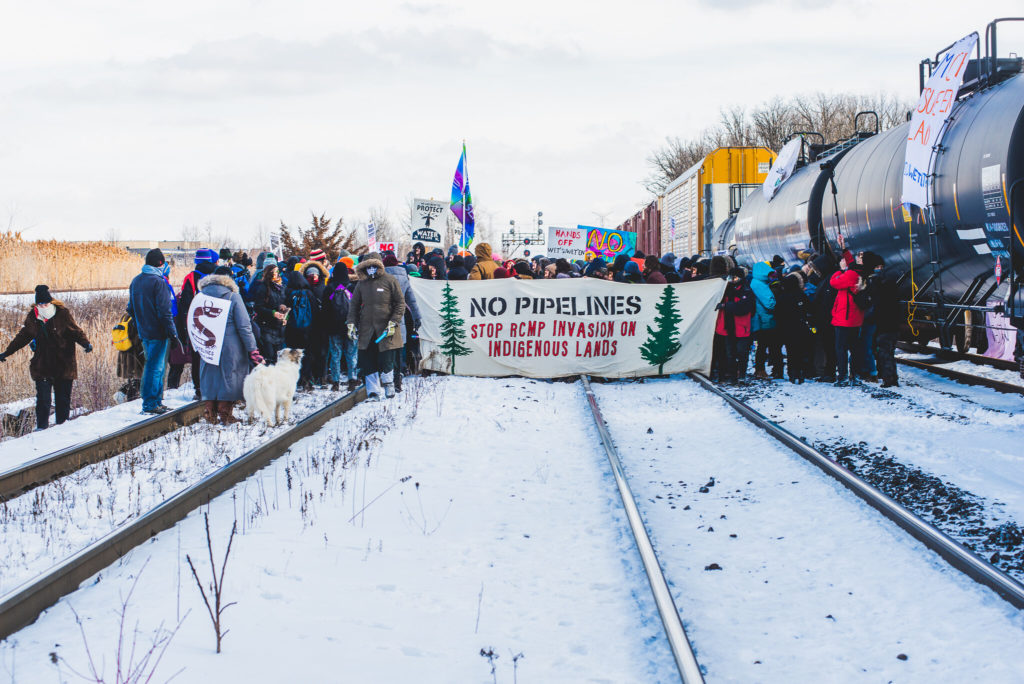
x=465, y=183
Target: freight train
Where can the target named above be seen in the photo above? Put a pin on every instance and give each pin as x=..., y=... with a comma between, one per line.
x=961, y=257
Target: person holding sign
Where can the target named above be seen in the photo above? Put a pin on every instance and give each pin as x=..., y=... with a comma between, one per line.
x=221, y=334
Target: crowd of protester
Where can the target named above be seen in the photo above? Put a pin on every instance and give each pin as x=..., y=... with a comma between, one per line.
x=356, y=318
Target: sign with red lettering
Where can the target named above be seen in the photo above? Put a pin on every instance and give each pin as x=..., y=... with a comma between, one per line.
x=566, y=243
x=554, y=328
x=926, y=124
x=386, y=247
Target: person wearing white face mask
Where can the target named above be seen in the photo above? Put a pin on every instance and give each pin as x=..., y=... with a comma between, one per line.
x=54, y=366
x=374, y=318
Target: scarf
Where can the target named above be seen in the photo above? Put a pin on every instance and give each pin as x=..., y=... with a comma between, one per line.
x=45, y=312
x=163, y=271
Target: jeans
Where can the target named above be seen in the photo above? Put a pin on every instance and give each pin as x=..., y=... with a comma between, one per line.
x=339, y=346
x=153, y=373
x=62, y=398
x=848, y=351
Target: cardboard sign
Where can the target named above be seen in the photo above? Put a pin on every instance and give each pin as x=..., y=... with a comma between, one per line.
x=428, y=220
x=207, y=319
x=554, y=328
x=386, y=247
x=566, y=243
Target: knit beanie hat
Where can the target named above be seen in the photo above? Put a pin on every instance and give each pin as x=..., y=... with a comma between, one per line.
x=204, y=254
x=43, y=294
x=348, y=261
x=390, y=260
x=317, y=255
x=225, y=254
x=155, y=257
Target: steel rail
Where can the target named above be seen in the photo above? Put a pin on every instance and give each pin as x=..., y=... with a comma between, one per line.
x=936, y=540
x=965, y=378
x=950, y=355
x=22, y=605
x=47, y=468
x=682, y=650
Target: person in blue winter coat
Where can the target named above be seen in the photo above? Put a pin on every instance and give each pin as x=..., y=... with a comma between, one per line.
x=150, y=303
x=763, y=323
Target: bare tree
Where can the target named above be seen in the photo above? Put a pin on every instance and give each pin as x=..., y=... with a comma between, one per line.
x=214, y=600
x=191, y=233
x=672, y=160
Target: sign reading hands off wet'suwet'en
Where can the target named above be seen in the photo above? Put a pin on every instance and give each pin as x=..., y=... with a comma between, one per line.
x=553, y=328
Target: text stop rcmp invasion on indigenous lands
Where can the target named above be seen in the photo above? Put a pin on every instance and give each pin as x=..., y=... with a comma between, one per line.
x=546, y=329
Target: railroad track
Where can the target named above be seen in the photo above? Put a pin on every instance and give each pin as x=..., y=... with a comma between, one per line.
x=21, y=606
x=952, y=552
x=48, y=468
x=936, y=368
x=682, y=650
x=951, y=355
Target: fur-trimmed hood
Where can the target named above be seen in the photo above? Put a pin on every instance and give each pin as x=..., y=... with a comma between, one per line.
x=367, y=263
x=324, y=273
x=222, y=280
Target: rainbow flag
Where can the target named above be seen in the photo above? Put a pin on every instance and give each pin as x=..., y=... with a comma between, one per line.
x=460, y=193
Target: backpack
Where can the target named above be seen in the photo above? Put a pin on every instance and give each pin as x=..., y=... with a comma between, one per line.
x=302, y=312
x=862, y=299
x=241, y=277
x=120, y=337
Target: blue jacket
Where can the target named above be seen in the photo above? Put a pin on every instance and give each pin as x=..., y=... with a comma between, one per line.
x=149, y=303
x=764, y=312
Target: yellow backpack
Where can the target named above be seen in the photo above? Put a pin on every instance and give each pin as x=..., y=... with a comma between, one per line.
x=119, y=336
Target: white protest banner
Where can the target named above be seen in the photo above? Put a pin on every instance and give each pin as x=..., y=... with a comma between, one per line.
x=428, y=217
x=207, y=319
x=371, y=236
x=566, y=243
x=554, y=328
x=783, y=167
x=926, y=125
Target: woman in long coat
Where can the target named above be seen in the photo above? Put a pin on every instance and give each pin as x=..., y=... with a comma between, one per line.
x=53, y=366
x=221, y=385
x=374, y=316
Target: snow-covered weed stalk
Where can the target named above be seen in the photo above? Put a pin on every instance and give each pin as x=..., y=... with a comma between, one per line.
x=131, y=666
x=217, y=608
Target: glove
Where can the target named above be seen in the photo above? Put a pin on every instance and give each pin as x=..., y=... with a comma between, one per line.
x=255, y=357
x=391, y=328
x=416, y=326
x=352, y=334
x=3, y=357
x=88, y=348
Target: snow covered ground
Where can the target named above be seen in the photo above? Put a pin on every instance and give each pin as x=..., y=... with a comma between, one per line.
x=982, y=371
x=951, y=452
x=57, y=519
x=14, y=452
x=780, y=573
x=394, y=546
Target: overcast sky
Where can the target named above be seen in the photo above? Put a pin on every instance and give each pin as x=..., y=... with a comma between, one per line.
x=137, y=118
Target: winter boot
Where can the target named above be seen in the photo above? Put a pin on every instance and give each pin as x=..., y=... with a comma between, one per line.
x=352, y=385
x=388, y=380
x=760, y=374
x=224, y=412
x=210, y=412
x=398, y=381
x=335, y=387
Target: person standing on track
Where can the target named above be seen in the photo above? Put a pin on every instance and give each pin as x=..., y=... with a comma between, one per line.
x=149, y=303
x=54, y=366
x=847, y=318
x=374, y=316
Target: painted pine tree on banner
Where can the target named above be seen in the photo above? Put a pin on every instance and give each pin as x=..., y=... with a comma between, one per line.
x=452, y=333
x=663, y=343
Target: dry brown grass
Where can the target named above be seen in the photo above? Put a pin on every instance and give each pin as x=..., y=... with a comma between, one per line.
x=69, y=265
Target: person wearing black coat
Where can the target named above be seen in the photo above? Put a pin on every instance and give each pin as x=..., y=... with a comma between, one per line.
x=435, y=269
x=883, y=295
x=301, y=330
x=457, y=270
x=824, y=341
x=793, y=321
x=337, y=295
x=270, y=311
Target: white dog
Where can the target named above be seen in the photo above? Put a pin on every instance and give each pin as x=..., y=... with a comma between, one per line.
x=268, y=389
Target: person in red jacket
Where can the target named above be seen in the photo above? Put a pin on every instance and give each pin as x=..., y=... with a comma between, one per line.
x=731, y=352
x=847, y=318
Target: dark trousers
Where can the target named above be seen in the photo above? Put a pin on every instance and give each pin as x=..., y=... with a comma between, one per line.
x=61, y=390
x=174, y=374
x=824, y=354
x=798, y=354
x=732, y=353
x=885, y=354
x=768, y=349
x=372, y=360
x=848, y=351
